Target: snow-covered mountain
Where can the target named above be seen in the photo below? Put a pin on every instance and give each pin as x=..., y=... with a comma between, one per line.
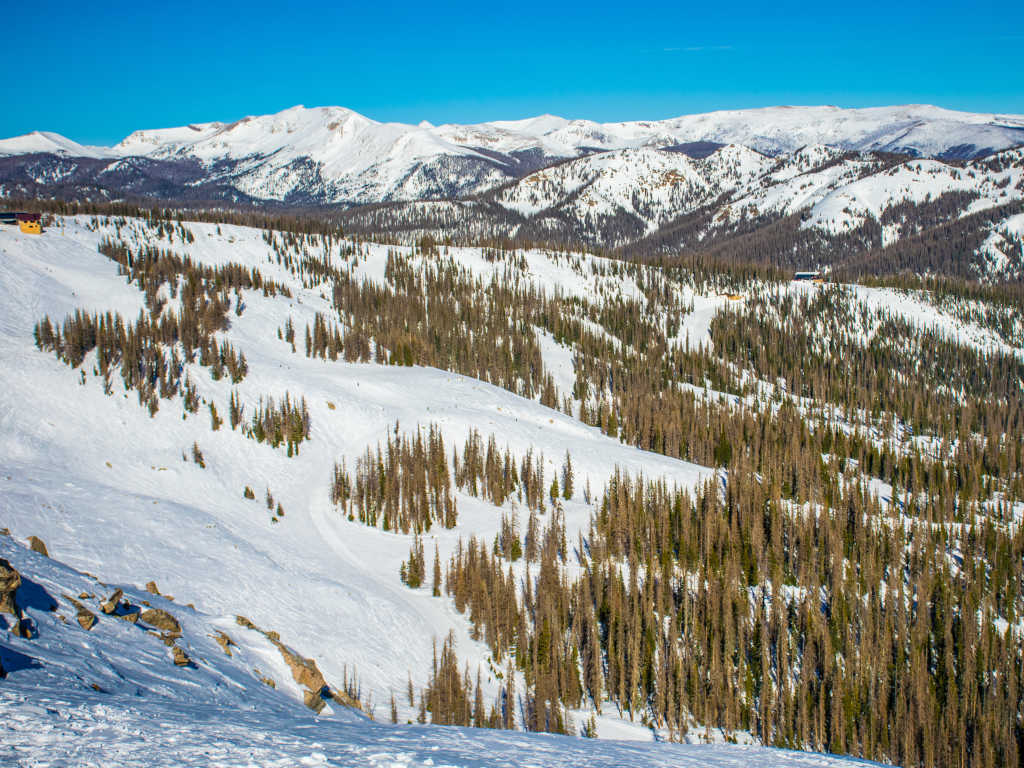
x=332, y=155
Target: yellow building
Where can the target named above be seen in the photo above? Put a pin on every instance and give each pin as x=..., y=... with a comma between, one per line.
x=30, y=227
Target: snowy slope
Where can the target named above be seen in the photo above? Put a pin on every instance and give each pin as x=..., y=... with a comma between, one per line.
x=46, y=142
x=106, y=486
x=649, y=184
x=71, y=695
x=130, y=658
x=918, y=129
x=69, y=729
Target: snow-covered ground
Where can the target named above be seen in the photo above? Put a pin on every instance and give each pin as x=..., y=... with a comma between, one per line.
x=65, y=729
x=338, y=155
x=112, y=695
x=106, y=486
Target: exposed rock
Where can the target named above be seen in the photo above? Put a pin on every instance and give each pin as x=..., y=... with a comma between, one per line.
x=313, y=700
x=84, y=596
x=161, y=619
x=244, y=622
x=151, y=588
x=5, y=532
x=181, y=658
x=272, y=636
x=37, y=545
x=86, y=617
x=342, y=698
x=305, y=671
x=10, y=580
x=132, y=617
x=223, y=641
x=111, y=603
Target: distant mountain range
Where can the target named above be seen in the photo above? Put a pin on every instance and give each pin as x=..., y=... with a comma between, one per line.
x=833, y=179
x=332, y=155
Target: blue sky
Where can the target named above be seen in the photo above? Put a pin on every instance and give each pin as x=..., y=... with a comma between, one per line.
x=95, y=72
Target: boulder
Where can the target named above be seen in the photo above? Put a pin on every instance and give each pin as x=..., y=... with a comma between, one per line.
x=181, y=658
x=86, y=617
x=131, y=617
x=37, y=545
x=23, y=628
x=110, y=605
x=161, y=619
x=10, y=580
x=151, y=588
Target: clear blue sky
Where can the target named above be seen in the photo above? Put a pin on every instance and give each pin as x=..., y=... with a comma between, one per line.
x=96, y=71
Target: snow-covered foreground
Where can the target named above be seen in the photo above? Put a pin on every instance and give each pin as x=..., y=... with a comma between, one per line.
x=112, y=696
x=77, y=730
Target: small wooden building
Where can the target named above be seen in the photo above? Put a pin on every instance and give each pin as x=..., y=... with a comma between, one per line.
x=30, y=223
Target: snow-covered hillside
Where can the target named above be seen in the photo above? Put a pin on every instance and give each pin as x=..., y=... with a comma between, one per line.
x=653, y=186
x=106, y=487
x=133, y=495
x=70, y=694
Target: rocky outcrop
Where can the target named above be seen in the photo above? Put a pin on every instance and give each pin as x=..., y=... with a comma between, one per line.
x=37, y=545
x=161, y=619
x=151, y=588
x=10, y=580
x=181, y=658
x=314, y=701
x=304, y=671
x=111, y=604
